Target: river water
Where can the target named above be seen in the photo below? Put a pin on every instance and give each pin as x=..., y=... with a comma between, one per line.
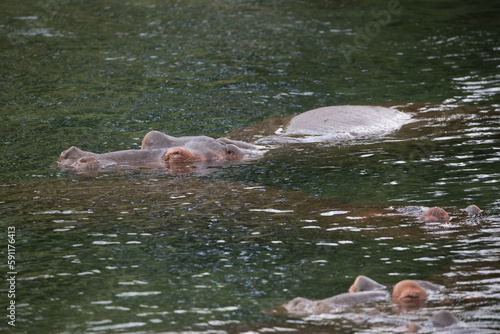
x=214, y=251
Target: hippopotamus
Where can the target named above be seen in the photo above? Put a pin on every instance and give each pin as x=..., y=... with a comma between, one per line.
x=473, y=210
x=323, y=124
x=435, y=215
x=77, y=160
x=364, y=290
x=329, y=124
x=157, y=150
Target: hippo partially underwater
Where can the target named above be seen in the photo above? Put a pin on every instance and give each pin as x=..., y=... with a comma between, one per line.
x=336, y=123
x=407, y=295
x=323, y=124
x=157, y=150
x=364, y=290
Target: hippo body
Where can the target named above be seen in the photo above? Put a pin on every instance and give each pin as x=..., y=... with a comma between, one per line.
x=203, y=147
x=302, y=306
x=318, y=125
x=363, y=283
x=157, y=150
x=337, y=123
x=407, y=294
x=75, y=159
x=364, y=292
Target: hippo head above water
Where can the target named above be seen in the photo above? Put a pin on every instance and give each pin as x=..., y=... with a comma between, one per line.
x=158, y=150
x=196, y=148
x=435, y=215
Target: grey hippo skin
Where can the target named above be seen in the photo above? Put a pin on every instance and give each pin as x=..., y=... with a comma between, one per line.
x=199, y=145
x=323, y=124
x=74, y=159
x=443, y=318
x=337, y=123
x=365, y=290
x=363, y=283
x=157, y=150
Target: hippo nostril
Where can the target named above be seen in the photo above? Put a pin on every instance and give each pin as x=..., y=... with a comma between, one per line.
x=176, y=156
x=180, y=155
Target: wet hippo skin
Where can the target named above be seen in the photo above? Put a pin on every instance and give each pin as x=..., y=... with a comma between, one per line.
x=408, y=290
x=157, y=149
x=83, y=161
x=443, y=318
x=195, y=148
x=363, y=290
x=435, y=215
x=363, y=283
x=329, y=124
x=156, y=139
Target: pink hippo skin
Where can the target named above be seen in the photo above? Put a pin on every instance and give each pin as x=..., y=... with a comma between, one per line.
x=199, y=148
x=83, y=162
x=157, y=150
x=363, y=283
x=407, y=294
x=435, y=215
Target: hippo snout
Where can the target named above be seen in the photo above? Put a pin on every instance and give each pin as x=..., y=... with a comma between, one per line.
x=179, y=154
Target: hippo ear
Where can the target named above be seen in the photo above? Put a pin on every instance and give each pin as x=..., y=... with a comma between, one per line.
x=87, y=160
x=86, y=165
x=233, y=152
x=69, y=153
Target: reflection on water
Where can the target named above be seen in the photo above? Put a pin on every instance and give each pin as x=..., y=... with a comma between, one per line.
x=147, y=251
x=187, y=259
x=144, y=251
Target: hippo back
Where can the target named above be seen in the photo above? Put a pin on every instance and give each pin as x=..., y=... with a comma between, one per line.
x=339, y=123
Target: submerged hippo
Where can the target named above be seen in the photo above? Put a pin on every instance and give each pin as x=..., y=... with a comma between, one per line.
x=328, y=124
x=435, y=215
x=155, y=152
x=323, y=124
x=473, y=210
x=364, y=290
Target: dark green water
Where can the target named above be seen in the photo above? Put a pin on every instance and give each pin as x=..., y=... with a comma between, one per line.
x=149, y=252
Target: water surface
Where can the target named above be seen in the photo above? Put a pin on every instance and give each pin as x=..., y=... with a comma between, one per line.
x=147, y=251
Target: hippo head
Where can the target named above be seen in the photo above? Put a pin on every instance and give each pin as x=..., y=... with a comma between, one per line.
x=408, y=295
x=435, y=215
x=188, y=154
x=473, y=210
x=74, y=159
x=156, y=139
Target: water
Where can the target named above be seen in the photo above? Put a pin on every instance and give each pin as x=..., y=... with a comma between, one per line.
x=145, y=251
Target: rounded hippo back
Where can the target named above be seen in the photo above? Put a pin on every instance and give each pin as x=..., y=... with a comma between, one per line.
x=339, y=123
